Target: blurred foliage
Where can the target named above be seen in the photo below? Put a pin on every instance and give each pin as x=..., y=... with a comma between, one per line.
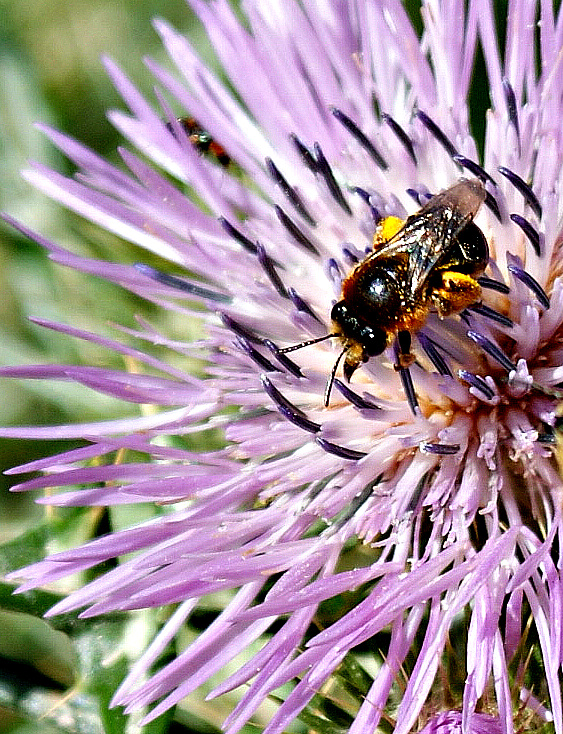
x=50, y=71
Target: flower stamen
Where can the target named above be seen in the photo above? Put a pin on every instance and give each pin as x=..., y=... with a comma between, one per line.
x=352, y=397
x=302, y=305
x=529, y=230
x=340, y=451
x=268, y=265
x=512, y=108
x=477, y=382
x=492, y=204
x=289, y=191
x=294, y=231
x=439, y=134
x=492, y=350
x=306, y=156
x=256, y=356
x=490, y=313
x=323, y=167
x=401, y=134
x=523, y=188
x=360, y=136
x=531, y=283
x=402, y=348
x=368, y=198
x=475, y=169
x=493, y=285
x=419, y=197
x=237, y=235
x=440, y=449
x=283, y=359
x=431, y=351
x=243, y=331
x=183, y=285
x=290, y=411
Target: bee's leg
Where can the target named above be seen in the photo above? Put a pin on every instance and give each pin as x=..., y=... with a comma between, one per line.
x=456, y=292
x=404, y=360
x=404, y=356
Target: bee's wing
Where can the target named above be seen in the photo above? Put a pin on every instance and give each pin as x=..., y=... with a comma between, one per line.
x=428, y=234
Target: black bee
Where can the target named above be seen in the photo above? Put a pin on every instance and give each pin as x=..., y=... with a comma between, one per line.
x=428, y=263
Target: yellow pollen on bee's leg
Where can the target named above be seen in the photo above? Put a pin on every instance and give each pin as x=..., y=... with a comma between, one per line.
x=458, y=291
x=386, y=229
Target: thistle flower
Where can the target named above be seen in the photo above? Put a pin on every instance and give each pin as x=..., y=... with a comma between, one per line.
x=443, y=472
x=450, y=722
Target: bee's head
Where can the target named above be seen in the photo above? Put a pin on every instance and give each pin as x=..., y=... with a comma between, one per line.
x=360, y=339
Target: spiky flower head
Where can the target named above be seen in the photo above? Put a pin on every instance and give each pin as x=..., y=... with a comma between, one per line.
x=450, y=722
x=442, y=473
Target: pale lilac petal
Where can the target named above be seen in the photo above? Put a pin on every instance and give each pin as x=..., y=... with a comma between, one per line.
x=450, y=722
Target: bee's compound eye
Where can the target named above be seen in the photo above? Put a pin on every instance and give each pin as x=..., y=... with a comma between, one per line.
x=339, y=312
x=373, y=341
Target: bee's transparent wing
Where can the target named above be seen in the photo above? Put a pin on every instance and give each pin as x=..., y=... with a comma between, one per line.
x=428, y=234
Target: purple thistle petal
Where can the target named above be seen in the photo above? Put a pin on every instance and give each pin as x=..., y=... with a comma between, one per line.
x=450, y=722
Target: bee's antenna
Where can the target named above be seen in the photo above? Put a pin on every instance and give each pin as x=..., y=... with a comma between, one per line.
x=305, y=344
x=330, y=381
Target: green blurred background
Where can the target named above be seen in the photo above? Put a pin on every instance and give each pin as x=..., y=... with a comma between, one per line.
x=50, y=71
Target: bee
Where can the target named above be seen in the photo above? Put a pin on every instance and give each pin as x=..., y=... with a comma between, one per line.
x=427, y=263
x=202, y=140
